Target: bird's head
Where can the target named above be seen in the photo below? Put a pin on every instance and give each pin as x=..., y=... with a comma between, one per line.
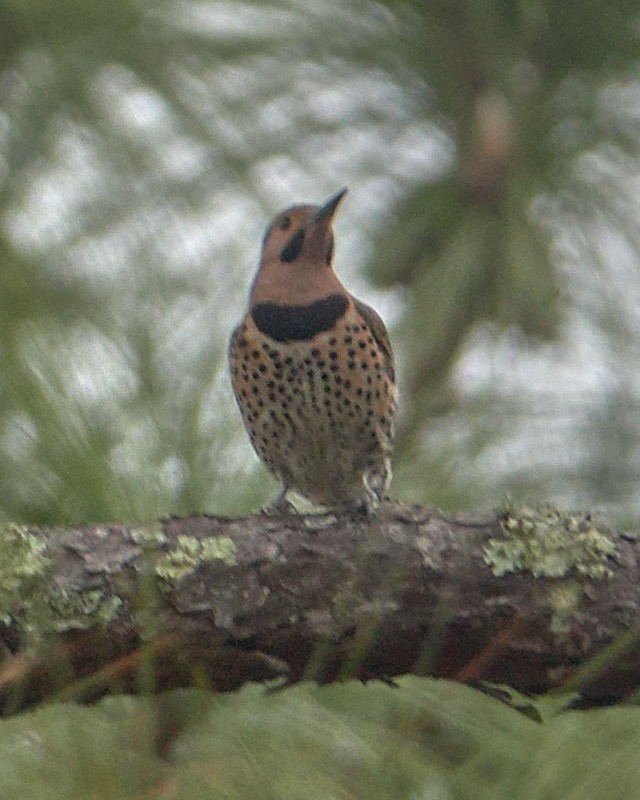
x=297, y=254
x=302, y=232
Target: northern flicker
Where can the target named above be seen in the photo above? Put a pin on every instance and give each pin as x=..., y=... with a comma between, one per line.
x=312, y=370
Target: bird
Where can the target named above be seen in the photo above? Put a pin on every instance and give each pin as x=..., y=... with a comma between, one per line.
x=312, y=370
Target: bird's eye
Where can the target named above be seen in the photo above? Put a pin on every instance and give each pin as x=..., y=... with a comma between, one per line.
x=285, y=223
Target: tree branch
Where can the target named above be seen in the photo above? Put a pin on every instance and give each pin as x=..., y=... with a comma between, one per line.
x=532, y=598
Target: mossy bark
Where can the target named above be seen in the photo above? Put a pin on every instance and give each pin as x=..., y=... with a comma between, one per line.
x=524, y=597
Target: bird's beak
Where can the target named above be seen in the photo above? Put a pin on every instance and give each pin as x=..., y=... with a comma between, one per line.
x=326, y=212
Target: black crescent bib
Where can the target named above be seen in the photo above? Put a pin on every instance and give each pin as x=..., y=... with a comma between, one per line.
x=299, y=323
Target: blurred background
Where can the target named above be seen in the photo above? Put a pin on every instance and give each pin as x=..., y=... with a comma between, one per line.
x=492, y=153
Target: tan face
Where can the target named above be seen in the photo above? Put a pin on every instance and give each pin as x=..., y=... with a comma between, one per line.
x=297, y=251
x=297, y=234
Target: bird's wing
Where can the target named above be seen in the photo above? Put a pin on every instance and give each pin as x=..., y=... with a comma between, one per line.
x=237, y=338
x=378, y=330
x=237, y=347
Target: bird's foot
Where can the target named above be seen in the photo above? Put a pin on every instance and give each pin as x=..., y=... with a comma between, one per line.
x=368, y=504
x=279, y=505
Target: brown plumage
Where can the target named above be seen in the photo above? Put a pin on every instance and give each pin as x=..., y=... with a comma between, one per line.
x=312, y=370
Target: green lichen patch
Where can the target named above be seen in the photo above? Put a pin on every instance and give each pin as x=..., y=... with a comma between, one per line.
x=74, y=610
x=550, y=543
x=150, y=535
x=23, y=564
x=26, y=595
x=189, y=553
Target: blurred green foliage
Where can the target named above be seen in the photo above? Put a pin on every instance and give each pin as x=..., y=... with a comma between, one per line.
x=490, y=148
x=430, y=739
x=143, y=147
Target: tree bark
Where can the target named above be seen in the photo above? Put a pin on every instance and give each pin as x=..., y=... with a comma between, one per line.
x=532, y=598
